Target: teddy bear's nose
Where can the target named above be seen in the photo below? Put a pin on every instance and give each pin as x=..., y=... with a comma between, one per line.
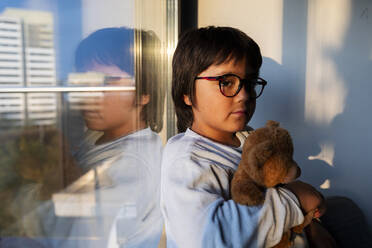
x=298, y=174
x=293, y=173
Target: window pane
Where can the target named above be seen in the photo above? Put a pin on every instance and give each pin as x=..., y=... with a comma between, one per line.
x=82, y=121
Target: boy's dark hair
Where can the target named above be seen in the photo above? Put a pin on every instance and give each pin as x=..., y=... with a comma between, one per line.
x=135, y=52
x=198, y=49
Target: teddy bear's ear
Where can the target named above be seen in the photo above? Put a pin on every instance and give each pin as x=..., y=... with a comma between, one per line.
x=256, y=158
x=271, y=123
x=262, y=151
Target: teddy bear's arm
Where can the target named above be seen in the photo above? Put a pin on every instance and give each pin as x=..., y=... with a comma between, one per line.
x=285, y=242
x=245, y=191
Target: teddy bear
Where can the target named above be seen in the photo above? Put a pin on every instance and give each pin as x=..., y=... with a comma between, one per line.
x=267, y=161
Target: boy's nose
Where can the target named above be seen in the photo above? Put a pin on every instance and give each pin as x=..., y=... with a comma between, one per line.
x=243, y=94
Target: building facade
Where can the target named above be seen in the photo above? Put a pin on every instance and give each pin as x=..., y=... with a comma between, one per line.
x=27, y=59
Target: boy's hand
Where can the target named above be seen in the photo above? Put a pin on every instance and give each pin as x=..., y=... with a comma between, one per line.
x=308, y=197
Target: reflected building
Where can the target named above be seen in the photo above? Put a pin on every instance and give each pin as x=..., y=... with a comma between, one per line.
x=27, y=59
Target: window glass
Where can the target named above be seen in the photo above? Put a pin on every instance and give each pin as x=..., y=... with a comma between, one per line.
x=83, y=121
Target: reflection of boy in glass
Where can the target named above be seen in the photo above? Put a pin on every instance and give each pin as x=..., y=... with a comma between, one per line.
x=110, y=51
x=121, y=145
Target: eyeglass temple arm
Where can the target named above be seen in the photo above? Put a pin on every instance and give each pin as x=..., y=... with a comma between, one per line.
x=209, y=78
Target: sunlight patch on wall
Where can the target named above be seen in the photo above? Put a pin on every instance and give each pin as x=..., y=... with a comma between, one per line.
x=325, y=89
x=326, y=184
x=326, y=154
x=325, y=93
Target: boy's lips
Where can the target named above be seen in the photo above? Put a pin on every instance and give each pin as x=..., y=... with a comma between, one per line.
x=240, y=112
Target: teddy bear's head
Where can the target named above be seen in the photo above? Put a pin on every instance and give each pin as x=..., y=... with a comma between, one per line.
x=268, y=156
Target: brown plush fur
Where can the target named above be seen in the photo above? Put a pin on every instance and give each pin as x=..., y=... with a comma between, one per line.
x=266, y=162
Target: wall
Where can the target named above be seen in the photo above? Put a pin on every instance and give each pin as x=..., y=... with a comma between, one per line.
x=318, y=62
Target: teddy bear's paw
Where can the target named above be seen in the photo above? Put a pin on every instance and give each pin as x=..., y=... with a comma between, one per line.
x=298, y=229
x=285, y=242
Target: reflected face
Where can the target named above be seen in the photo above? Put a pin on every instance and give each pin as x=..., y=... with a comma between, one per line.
x=113, y=111
x=214, y=114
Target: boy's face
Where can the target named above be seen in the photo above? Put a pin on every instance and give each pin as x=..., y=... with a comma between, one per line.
x=115, y=112
x=215, y=115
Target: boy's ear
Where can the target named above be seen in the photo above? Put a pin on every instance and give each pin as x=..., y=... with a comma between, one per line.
x=145, y=99
x=187, y=100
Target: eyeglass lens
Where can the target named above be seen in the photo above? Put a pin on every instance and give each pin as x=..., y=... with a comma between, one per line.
x=230, y=86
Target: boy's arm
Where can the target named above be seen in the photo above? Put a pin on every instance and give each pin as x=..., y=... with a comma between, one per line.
x=309, y=198
x=319, y=237
x=197, y=215
x=261, y=226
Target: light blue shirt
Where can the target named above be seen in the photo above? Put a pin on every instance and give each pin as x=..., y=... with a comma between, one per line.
x=196, y=202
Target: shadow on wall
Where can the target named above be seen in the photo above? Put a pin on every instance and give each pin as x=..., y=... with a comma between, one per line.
x=281, y=102
x=336, y=156
x=350, y=131
x=348, y=135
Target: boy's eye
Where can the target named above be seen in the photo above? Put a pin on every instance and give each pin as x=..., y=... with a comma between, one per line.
x=227, y=82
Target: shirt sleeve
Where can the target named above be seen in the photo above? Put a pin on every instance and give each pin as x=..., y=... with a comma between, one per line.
x=135, y=191
x=198, y=211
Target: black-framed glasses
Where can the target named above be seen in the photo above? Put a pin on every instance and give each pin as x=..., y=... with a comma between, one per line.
x=231, y=84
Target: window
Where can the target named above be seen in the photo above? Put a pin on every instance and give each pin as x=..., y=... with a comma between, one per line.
x=84, y=112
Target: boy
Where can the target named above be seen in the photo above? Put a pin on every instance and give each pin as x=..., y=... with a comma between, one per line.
x=215, y=85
